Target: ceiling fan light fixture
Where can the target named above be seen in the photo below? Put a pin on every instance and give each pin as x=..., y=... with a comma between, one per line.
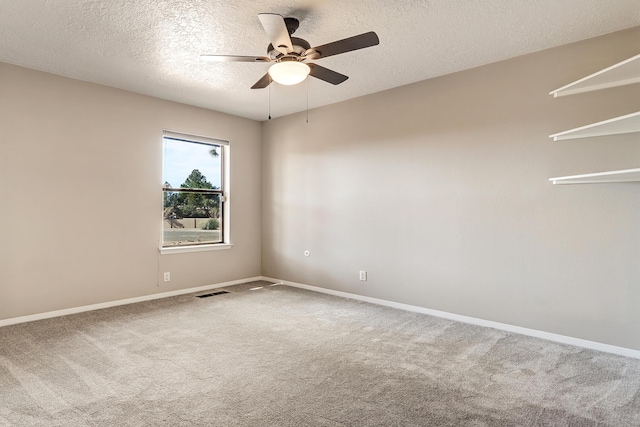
x=289, y=72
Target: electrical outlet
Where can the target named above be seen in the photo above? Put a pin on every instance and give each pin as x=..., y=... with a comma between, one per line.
x=167, y=276
x=363, y=275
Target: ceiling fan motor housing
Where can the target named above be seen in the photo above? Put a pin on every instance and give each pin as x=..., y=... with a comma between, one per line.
x=300, y=46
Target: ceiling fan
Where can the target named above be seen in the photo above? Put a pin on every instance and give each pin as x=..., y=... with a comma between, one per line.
x=289, y=54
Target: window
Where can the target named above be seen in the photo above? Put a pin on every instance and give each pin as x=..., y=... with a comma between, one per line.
x=193, y=191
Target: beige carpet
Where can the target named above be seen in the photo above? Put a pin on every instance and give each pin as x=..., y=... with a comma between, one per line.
x=280, y=356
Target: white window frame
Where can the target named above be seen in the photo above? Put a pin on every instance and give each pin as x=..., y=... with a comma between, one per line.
x=224, y=187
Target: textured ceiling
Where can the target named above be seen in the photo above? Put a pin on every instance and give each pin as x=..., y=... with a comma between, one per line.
x=153, y=46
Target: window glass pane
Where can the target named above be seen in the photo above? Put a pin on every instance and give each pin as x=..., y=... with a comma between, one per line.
x=191, y=165
x=191, y=218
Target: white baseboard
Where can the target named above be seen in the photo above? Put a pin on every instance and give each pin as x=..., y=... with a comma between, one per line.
x=57, y=313
x=622, y=351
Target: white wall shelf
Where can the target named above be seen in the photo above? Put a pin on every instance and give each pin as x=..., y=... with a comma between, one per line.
x=627, y=175
x=620, y=74
x=624, y=124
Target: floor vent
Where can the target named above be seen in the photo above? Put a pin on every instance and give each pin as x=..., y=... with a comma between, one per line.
x=212, y=294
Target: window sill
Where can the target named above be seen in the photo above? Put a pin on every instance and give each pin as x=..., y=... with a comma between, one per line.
x=196, y=248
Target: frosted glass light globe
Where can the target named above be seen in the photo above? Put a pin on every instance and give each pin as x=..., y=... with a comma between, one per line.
x=289, y=72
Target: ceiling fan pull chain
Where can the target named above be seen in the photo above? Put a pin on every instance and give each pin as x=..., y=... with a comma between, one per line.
x=307, y=100
x=269, y=100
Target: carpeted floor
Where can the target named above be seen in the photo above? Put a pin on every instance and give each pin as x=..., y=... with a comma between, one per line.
x=281, y=356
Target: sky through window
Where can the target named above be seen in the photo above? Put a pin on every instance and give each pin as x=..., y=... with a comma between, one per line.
x=181, y=158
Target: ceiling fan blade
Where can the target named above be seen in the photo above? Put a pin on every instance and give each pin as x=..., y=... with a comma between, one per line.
x=277, y=32
x=263, y=82
x=346, y=45
x=326, y=74
x=234, y=58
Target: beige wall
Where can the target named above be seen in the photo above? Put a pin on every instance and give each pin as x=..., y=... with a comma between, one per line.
x=70, y=148
x=439, y=190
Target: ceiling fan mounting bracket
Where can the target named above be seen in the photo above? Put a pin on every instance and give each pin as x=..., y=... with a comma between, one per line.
x=292, y=24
